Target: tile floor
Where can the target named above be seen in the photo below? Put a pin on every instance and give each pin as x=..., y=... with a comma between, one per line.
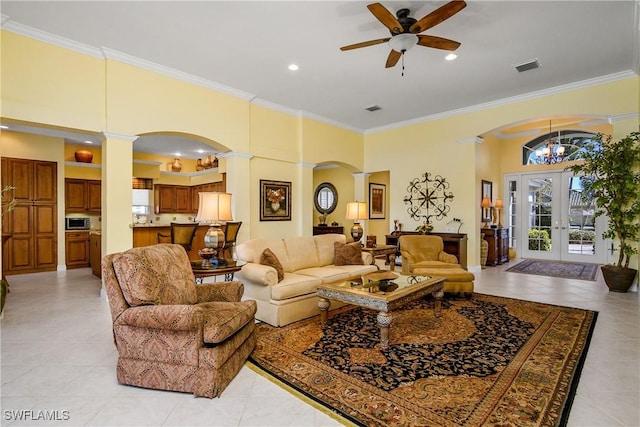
x=58, y=356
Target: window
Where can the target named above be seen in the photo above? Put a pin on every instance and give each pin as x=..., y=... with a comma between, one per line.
x=571, y=141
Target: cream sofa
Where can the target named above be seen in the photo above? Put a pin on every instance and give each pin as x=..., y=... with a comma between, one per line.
x=307, y=262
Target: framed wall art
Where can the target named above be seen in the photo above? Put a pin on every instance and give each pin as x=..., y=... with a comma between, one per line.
x=486, y=200
x=377, y=200
x=275, y=200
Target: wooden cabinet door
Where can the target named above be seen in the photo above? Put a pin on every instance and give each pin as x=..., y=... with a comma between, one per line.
x=45, y=182
x=20, y=175
x=95, y=254
x=94, y=196
x=75, y=195
x=164, y=198
x=195, y=198
x=77, y=249
x=45, y=227
x=19, y=255
x=183, y=199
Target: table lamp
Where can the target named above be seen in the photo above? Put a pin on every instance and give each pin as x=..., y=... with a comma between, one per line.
x=356, y=211
x=486, y=206
x=213, y=208
x=499, y=206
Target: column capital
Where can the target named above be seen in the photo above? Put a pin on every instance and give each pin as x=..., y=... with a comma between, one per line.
x=120, y=136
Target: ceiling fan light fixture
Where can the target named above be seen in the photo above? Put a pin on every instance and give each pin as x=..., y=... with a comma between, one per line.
x=403, y=42
x=451, y=57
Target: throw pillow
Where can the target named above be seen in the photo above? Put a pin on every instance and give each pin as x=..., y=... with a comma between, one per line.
x=348, y=253
x=269, y=258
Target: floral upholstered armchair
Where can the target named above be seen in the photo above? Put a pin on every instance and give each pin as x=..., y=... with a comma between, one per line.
x=424, y=251
x=170, y=333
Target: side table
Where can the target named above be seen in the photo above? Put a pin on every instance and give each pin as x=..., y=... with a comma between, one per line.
x=228, y=270
x=388, y=250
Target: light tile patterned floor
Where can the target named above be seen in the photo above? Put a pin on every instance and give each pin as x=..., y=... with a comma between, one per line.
x=58, y=355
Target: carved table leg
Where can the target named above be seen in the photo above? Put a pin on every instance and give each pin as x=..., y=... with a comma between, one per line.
x=384, y=321
x=437, y=307
x=323, y=305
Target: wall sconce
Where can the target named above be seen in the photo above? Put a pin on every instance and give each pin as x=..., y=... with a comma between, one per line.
x=213, y=208
x=499, y=206
x=356, y=211
x=486, y=209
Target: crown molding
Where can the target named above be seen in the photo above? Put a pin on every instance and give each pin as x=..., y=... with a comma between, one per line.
x=511, y=100
x=231, y=154
x=43, y=36
x=173, y=73
x=120, y=136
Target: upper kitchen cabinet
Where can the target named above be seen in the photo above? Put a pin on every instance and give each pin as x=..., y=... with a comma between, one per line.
x=172, y=199
x=82, y=195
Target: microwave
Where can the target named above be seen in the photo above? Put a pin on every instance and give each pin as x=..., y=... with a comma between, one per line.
x=81, y=223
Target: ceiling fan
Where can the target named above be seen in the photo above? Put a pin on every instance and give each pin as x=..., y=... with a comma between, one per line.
x=405, y=30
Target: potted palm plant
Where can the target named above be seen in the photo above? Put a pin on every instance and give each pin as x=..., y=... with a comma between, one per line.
x=610, y=174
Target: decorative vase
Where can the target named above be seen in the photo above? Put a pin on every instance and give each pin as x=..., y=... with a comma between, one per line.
x=512, y=253
x=83, y=156
x=207, y=162
x=176, y=166
x=484, y=251
x=275, y=206
x=199, y=165
x=214, y=162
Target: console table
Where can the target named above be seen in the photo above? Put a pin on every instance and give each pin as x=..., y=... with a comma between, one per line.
x=327, y=229
x=498, y=239
x=454, y=243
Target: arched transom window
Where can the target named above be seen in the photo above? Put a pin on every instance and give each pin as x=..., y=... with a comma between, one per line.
x=556, y=147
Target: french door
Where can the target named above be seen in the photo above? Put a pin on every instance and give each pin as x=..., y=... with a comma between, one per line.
x=548, y=219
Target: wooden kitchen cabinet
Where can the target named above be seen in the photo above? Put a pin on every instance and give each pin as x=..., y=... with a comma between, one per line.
x=172, y=199
x=33, y=224
x=77, y=249
x=95, y=253
x=82, y=195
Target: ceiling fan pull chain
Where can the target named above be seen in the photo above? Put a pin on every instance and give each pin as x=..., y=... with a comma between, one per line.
x=403, y=51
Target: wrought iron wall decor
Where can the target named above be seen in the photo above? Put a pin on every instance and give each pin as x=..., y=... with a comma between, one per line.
x=428, y=198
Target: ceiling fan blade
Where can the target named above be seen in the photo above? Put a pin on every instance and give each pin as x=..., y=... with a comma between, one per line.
x=365, y=44
x=437, y=16
x=438, y=42
x=386, y=17
x=392, y=59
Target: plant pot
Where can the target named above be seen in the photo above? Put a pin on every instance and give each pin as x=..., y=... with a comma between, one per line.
x=618, y=279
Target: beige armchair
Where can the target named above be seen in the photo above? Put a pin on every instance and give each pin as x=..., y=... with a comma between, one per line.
x=170, y=333
x=424, y=251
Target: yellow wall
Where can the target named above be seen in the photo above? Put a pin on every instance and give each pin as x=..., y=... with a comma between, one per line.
x=50, y=85
x=342, y=179
x=47, y=84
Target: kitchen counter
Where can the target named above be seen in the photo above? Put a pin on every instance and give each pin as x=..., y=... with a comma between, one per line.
x=162, y=224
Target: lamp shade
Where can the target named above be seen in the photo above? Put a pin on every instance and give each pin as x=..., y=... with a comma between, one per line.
x=486, y=203
x=356, y=211
x=213, y=207
x=499, y=203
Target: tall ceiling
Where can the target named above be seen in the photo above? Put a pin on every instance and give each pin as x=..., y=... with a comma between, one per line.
x=246, y=46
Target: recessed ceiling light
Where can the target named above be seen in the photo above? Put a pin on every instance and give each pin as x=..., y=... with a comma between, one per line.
x=200, y=151
x=293, y=67
x=4, y=127
x=88, y=142
x=451, y=57
x=178, y=154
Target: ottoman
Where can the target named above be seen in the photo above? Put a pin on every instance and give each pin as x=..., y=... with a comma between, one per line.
x=457, y=280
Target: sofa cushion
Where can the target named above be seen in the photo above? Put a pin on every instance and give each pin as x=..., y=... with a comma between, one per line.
x=324, y=247
x=269, y=258
x=327, y=273
x=223, y=319
x=348, y=253
x=146, y=277
x=294, y=285
x=301, y=252
x=251, y=250
x=433, y=264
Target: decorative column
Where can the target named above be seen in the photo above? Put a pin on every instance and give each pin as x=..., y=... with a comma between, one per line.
x=236, y=166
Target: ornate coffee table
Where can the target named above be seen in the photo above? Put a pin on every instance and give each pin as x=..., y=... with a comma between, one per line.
x=410, y=288
x=227, y=269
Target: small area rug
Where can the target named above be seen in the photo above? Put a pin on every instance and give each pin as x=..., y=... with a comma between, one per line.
x=486, y=361
x=568, y=270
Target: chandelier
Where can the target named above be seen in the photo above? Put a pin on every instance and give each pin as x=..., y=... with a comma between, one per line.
x=552, y=152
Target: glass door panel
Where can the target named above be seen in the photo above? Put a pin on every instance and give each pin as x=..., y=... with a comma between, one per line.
x=542, y=240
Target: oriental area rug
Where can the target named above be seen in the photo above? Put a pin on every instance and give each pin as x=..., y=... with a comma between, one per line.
x=486, y=361
x=568, y=270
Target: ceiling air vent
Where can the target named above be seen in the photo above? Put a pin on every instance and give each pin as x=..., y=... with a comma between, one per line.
x=529, y=65
x=373, y=108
